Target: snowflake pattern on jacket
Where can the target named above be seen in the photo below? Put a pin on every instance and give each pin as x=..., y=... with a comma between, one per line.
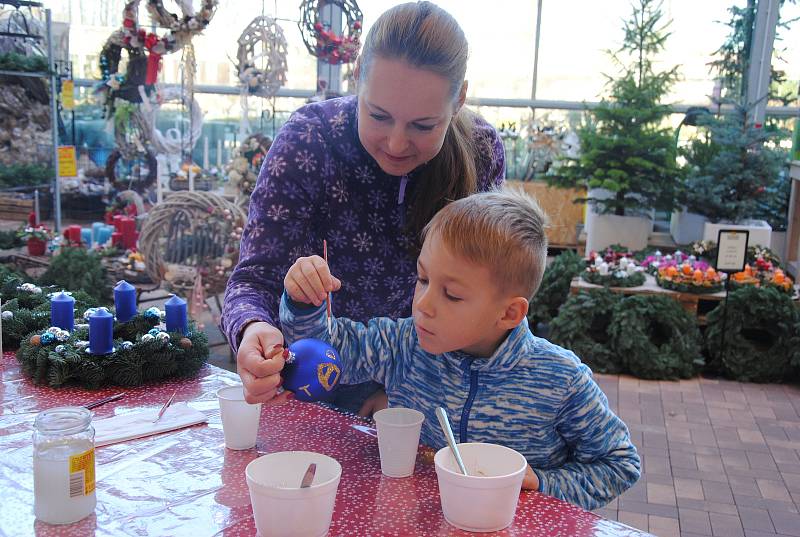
x=318, y=182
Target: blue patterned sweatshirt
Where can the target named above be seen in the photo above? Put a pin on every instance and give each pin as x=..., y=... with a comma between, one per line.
x=318, y=182
x=530, y=395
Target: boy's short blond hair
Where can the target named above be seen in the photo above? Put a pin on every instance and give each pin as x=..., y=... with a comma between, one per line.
x=503, y=230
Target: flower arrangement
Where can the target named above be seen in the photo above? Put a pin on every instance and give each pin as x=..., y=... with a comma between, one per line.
x=614, y=269
x=763, y=273
x=689, y=277
x=38, y=233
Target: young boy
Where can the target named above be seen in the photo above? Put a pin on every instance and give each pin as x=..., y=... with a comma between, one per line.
x=468, y=349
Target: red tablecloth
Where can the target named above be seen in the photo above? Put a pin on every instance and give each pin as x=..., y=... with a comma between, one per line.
x=186, y=483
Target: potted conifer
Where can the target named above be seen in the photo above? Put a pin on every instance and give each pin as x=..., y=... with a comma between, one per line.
x=627, y=155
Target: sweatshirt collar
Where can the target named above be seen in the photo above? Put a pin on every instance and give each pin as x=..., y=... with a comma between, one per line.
x=507, y=355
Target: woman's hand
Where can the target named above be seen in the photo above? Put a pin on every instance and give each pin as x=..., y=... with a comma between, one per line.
x=375, y=402
x=531, y=480
x=309, y=281
x=259, y=362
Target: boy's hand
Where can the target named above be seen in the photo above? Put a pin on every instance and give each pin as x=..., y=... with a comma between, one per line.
x=309, y=281
x=531, y=480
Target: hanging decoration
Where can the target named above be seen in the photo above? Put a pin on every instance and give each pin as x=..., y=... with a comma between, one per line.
x=139, y=171
x=245, y=165
x=321, y=41
x=265, y=34
x=191, y=234
x=172, y=141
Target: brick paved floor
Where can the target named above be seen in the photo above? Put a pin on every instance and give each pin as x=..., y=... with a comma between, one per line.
x=719, y=457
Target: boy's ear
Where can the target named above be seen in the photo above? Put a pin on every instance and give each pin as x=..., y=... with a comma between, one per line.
x=516, y=310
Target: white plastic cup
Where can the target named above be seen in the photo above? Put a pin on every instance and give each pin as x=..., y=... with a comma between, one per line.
x=398, y=439
x=486, y=499
x=239, y=418
x=280, y=507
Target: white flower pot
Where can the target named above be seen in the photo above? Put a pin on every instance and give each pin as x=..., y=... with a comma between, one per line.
x=778, y=244
x=603, y=230
x=686, y=227
x=760, y=231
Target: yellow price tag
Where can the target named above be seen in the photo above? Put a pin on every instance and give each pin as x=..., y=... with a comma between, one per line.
x=68, y=94
x=67, y=161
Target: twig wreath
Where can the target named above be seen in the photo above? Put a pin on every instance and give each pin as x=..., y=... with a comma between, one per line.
x=192, y=234
x=321, y=41
x=171, y=141
x=137, y=181
x=263, y=32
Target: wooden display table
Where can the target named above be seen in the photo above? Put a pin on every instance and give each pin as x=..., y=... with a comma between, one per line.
x=689, y=301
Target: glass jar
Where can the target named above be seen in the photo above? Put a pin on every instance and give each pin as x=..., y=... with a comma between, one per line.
x=63, y=465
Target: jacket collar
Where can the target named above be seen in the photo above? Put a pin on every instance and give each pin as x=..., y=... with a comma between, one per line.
x=505, y=358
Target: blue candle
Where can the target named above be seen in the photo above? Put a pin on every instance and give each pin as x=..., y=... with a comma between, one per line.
x=104, y=234
x=176, y=315
x=96, y=227
x=101, y=332
x=125, y=301
x=86, y=236
x=62, y=311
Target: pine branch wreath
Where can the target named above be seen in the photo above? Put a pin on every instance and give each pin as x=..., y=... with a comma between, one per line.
x=582, y=326
x=555, y=285
x=146, y=356
x=762, y=335
x=614, y=278
x=655, y=338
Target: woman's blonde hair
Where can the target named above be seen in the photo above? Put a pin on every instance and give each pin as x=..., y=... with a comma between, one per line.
x=429, y=38
x=503, y=230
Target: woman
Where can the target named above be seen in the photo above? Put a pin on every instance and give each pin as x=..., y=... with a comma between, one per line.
x=366, y=173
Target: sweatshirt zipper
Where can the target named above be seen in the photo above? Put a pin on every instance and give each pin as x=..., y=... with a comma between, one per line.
x=473, y=389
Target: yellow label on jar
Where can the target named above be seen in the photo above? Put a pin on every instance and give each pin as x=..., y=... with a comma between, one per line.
x=81, y=474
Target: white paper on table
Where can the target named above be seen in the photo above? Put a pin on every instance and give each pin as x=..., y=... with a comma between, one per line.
x=138, y=424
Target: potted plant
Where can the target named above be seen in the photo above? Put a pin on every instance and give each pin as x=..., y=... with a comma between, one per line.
x=627, y=157
x=36, y=238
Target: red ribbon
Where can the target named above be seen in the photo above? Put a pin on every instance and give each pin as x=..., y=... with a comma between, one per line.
x=153, y=59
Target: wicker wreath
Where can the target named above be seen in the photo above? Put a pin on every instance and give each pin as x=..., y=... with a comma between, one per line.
x=192, y=233
x=170, y=142
x=246, y=163
x=762, y=335
x=266, y=33
x=322, y=42
x=137, y=181
x=655, y=338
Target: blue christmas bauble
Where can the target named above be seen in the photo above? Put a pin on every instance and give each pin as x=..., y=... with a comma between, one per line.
x=312, y=370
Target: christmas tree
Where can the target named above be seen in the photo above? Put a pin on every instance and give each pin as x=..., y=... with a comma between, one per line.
x=735, y=169
x=625, y=147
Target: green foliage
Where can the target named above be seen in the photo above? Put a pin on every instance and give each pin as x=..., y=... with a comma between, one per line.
x=655, y=338
x=582, y=326
x=10, y=239
x=732, y=168
x=78, y=269
x=762, y=335
x=30, y=311
x=612, y=280
x=143, y=362
x=24, y=175
x=12, y=61
x=555, y=287
x=625, y=148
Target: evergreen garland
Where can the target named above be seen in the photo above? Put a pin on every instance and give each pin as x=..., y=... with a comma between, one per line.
x=77, y=268
x=614, y=279
x=655, y=338
x=555, y=285
x=134, y=362
x=25, y=311
x=762, y=335
x=582, y=326
x=687, y=285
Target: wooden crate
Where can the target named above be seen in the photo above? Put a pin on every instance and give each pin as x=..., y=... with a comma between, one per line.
x=18, y=205
x=558, y=204
x=696, y=305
